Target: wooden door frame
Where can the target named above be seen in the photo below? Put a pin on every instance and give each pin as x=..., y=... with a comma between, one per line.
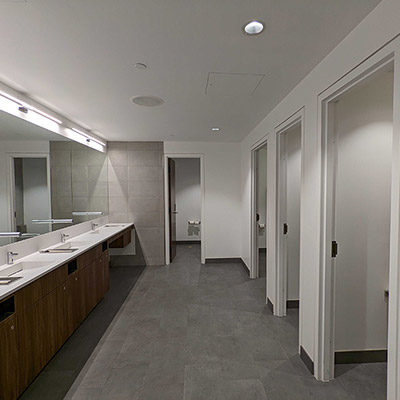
x=166, y=202
x=281, y=209
x=325, y=294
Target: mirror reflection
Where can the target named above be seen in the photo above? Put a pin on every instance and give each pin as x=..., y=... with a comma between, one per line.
x=47, y=181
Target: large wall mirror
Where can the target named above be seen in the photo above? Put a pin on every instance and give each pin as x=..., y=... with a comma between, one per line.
x=47, y=181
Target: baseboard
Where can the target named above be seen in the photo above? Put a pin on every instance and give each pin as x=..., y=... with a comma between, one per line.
x=246, y=269
x=292, y=304
x=361, y=356
x=307, y=360
x=188, y=242
x=270, y=305
x=232, y=260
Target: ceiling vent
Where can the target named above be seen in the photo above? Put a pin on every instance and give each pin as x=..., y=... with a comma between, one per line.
x=147, y=101
x=232, y=84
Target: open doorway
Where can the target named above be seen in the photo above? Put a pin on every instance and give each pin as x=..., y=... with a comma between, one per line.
x=30, y=194
x=260, y=155
x=184, y=191
x=358, y=135
x=289, y=140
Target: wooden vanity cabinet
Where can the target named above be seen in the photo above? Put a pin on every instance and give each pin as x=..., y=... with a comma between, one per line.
x=9, y=365
x=44, y=314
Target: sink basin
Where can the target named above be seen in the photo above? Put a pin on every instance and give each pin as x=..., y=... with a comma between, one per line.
x=6, y=280
x=22, y=266
x=63, y=248
x=114, y=226
x=78, y=244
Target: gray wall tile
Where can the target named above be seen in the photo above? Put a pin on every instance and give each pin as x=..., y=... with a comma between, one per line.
x=144, y=173
x=135, y=179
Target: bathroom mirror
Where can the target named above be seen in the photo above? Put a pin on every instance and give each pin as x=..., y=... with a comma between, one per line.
x=47, y=181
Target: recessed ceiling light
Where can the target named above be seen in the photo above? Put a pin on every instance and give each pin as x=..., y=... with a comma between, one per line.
x=140, y=66
x=215, y=129
x=147, y=101
x=253, y=28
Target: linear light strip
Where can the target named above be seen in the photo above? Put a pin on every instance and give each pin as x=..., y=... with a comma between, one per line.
x=37, y=120
x=87, y=213
x=52, y=221
x=10, y=234
x=89, y=137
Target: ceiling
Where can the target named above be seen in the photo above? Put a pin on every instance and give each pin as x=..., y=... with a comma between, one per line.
x=77, y=58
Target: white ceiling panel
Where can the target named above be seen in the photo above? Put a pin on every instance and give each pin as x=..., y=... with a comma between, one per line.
x=77, y=57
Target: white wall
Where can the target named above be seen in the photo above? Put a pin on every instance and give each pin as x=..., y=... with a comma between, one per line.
x=262, y=194
x=370, y=35
x=187, y=197
x=293, y=181
x=364, y=128
x=36, y=194
x=222, y=225
x=23, y=147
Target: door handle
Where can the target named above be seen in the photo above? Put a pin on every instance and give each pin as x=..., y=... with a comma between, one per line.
x=285, y=229
x=174, y=212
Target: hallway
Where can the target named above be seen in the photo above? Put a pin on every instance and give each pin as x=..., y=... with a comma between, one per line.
x=197, y=332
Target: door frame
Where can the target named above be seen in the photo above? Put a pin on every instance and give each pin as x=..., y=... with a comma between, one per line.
x=11, y=186
x=298, y=117
x=324, y=312
x=166, y=202
x=254, y=236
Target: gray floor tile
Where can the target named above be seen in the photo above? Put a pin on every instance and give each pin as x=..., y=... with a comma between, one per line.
x=198, y=332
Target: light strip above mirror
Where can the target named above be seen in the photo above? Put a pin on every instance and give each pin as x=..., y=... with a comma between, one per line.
x=52, y=221
x=21, y=108
x=10, y=234
x=76, y=213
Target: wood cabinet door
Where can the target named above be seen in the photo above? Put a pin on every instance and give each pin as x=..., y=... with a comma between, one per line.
x=106, y=277
x=9, y=386
x=55, y=327
x=32, y=354
x=76, y=308
x=91, y=298
x=100, y=278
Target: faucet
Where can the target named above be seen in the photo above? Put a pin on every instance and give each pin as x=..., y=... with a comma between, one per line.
x=64, y=237
x=94, y=226
x=10, y=257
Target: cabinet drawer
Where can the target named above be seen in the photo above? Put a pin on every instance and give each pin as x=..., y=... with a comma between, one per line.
x=40, y=288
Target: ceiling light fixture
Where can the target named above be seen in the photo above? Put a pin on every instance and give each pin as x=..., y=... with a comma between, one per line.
x=253, y=28
x=89, y=138
x=147, y=101
x=216, y=129
x=141, y=66
x=14, y=106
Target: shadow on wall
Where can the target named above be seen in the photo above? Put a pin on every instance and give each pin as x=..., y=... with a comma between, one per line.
x=136, y=259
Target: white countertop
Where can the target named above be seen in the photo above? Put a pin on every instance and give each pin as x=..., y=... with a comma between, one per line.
x=52, y=261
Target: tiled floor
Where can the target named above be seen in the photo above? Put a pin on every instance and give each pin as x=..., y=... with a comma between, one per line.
x=197, y=332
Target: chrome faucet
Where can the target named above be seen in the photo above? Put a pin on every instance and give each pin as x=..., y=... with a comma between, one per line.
x=10, y=257
x=64, y=237
x=94, y=226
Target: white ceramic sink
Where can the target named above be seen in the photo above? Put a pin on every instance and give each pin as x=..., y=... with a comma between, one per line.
x=78, y=244
x=23, y=266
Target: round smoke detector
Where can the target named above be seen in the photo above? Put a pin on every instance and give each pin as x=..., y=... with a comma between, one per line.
x=147, y=101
